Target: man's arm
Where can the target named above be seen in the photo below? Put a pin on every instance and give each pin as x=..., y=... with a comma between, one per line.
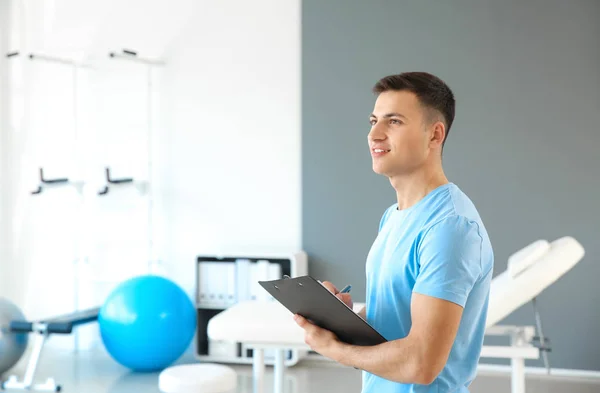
x=420, y=356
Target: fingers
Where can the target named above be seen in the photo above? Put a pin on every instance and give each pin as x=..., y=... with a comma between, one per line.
x=310, y=331
x=305, y=324
x=346, y=298
x=300, y=320
x=330, y=287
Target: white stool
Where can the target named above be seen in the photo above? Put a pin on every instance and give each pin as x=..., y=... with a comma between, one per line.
x=205, y=378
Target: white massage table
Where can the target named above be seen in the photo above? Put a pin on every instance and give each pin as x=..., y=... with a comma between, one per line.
x=265, y=325
x=530, y=271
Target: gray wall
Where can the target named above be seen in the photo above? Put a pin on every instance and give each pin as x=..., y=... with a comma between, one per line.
x=524, y=145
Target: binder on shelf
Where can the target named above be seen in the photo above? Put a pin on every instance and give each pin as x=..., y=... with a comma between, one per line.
x=216, y=284
x=242, y=273
x=231, y=284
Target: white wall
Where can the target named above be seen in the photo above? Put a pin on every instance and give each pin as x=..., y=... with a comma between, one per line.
x=226, y=144
x=233, y=99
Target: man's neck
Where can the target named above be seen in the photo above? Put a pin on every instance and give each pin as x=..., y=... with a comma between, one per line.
x=412, y=188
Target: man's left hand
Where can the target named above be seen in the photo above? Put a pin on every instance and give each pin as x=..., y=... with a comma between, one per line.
x=320, y=340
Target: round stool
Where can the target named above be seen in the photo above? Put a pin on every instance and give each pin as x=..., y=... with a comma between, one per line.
x=205, y=378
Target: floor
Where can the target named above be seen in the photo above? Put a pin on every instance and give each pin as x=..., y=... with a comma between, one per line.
x=96, y=372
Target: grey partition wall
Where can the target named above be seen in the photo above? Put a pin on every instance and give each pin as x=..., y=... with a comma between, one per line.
x=524, y=145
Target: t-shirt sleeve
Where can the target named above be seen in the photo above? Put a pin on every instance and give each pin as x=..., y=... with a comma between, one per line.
x=449, y=256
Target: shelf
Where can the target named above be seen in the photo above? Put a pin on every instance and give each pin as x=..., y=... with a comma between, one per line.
x=236, y=277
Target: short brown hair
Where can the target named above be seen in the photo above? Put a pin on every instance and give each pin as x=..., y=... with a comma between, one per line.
x=431, y=91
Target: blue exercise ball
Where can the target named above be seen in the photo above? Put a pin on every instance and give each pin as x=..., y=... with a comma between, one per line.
x=147, y=323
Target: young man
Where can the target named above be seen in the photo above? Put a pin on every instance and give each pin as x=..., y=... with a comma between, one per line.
x=430, y=267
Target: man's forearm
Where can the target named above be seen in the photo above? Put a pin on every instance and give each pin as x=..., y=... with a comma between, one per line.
x=398, y=360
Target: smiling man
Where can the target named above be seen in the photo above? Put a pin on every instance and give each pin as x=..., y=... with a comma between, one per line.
x=430, y=267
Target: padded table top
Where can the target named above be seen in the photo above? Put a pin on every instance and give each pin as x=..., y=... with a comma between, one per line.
x=265, y=322
x=515, y=287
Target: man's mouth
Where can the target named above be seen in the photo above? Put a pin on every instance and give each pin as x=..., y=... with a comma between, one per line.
x=378, y=152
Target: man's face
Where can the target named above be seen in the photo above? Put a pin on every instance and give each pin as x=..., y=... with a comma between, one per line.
x=399, y=140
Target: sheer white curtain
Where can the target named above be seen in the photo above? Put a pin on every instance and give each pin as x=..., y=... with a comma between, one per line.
x=4, y=127
x=116, y=238
x=47, y=218
x=119, y=139
x=72, y=243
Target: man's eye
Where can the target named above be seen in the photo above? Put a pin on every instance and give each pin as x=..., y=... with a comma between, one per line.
x=372, y=122
x=395, y=121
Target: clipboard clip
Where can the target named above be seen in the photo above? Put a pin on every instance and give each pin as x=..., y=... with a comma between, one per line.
x=286, y=277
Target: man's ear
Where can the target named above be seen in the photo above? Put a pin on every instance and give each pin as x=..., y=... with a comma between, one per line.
x=438, y=133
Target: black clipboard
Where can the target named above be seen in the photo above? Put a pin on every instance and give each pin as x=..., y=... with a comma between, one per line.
x=308, y=297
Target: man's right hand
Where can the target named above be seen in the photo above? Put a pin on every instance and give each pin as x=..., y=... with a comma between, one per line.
x=345, y=297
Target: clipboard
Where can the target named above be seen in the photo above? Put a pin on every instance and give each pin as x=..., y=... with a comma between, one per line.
x=308, y=297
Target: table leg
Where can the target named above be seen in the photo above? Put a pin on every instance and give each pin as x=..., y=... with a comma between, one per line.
x=258, y=368
x=518, y=375
x=517, y=368
x=278, y=368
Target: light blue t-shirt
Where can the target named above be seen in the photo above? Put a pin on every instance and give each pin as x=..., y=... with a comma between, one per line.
x=437, y=247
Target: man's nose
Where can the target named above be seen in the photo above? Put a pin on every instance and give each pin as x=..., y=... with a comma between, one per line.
x=376, y=133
